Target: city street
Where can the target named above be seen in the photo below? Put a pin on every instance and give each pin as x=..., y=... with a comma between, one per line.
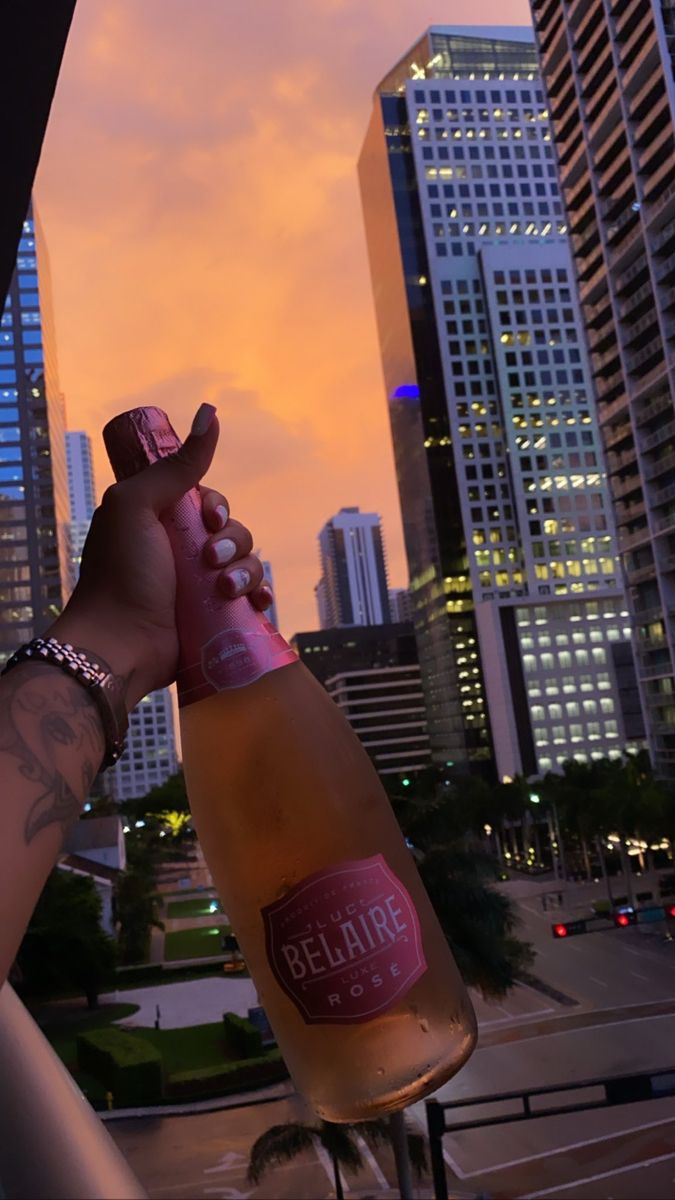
x=624, y=1021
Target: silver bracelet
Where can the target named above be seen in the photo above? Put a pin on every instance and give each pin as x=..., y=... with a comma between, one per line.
x=98, y=680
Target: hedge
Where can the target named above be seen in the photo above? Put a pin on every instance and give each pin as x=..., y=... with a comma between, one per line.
x=241, y=1038
x=227, y=1077
x=126, y=1065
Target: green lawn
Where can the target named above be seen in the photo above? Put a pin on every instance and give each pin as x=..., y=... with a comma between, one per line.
x=201, y=942
x=200, y=906
x=183, y=1049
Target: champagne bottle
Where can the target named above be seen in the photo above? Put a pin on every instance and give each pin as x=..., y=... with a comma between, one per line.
x=346, y=952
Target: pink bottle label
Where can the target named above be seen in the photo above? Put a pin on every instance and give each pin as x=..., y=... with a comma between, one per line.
x=345, y=944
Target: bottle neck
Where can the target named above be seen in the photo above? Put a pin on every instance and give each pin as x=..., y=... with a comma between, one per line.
x=224, y=643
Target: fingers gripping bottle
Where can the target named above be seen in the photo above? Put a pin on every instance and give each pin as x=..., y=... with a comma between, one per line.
x=349, y=960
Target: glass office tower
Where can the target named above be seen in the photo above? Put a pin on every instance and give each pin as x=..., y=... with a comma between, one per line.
x=608, y=69
x=518, y=601
x=33, y=481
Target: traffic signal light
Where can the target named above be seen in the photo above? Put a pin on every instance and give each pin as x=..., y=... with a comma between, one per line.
x=405, y=782
x=670, y=910
x=625, y=918
x=563, y=929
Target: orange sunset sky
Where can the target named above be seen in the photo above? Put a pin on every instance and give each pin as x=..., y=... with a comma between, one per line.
x=199, y=196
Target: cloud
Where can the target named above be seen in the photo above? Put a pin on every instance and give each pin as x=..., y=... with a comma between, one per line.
x=199, y=195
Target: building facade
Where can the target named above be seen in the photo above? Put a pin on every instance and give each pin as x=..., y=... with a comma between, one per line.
x=82, y=497
x=608, y=72
x=33, y=483
x=353, y=586
x=372, y=673
x=400, y=604
x=520, y=613
x=150, y=755
x=385, y=708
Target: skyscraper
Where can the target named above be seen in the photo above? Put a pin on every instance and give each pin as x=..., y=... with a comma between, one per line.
x=82, y=496
x=33, y=484
x=400, y=604
x=353, y=585
x=608, y=71
x=150, y=755
x=520, y=613
x=372, y=673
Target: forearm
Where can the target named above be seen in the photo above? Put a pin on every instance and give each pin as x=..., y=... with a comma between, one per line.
x=51, y=748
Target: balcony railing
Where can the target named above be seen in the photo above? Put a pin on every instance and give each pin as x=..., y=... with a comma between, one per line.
x=643, y=64
x=633, y=11
x=602, y=361
x=52, y=1142
x=663, y=434
x=665, y=235
x=658, y=405
x=657, y=152
x=627, y=306
x=660, y=108
x=665, y=275
x=638, y=574
x=626, y=277
x=609, y=411
x=628, y=541
x=653, y=350
x=655, y=469
x=612, y=390
x=662, y=496
x=654, y=670
x=631, y=332
x=616, y=434
x=663, y=524
x=623, y=487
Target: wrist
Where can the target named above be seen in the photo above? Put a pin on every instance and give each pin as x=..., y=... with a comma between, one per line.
x=100, y=642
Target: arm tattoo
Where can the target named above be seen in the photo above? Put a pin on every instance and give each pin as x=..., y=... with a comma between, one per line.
x=50, y=724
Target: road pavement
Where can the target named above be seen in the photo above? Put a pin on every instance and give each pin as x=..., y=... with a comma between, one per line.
x=623, y=1021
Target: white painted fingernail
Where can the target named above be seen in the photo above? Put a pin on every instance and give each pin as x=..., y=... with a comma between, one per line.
x=224, y=551
x=240, y=578
x=223, y=514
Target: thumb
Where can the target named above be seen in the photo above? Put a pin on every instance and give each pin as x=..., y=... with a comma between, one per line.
x=165, y=481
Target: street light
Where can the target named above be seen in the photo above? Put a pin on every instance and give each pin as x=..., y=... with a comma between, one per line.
x=557, y=849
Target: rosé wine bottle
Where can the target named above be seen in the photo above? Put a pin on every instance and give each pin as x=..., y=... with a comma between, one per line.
x=349, y=960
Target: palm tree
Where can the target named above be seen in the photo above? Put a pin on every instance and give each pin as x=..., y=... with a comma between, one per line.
x=283, y=1143
x=479, y=922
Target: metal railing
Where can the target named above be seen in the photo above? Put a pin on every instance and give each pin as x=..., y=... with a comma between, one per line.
x=52, y=1145
x=531, y=1105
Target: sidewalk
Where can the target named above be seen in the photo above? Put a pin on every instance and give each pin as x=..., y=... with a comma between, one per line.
x=264, y=1095
x=192, y=1002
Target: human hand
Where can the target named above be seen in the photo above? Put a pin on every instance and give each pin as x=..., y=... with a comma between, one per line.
x=123, y=606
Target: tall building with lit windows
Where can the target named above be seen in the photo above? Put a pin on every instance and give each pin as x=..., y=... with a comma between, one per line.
x=33, y=484
x=353, y=587
x=519, y=611
x=82, y=496
x=150, y=755
x=609, y=72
